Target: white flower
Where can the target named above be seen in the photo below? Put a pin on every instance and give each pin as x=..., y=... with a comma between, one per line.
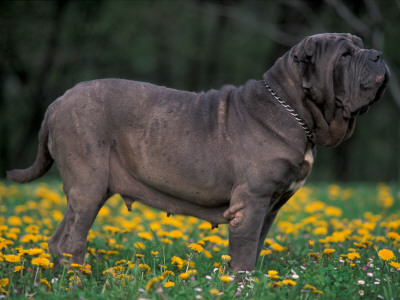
x=53, y=280
x=198, y=289
x=208, y=277
x=361, y=282
x=370, y=274
x=295, y=276
x=376, y=282
x=361, y=292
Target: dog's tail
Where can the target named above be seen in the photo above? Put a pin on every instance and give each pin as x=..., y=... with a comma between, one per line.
x=43, y=161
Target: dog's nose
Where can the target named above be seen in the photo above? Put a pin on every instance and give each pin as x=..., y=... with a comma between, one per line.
x=375, y=55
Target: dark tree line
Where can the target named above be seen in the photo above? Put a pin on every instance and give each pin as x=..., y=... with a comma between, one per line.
x=46, y=47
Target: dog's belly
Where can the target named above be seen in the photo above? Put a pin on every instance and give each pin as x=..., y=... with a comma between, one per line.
x=185, y=181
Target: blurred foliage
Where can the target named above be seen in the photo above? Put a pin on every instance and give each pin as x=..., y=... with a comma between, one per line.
x=46, y=47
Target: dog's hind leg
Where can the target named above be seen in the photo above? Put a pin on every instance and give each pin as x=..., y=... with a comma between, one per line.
x=84, y=202
x=85, y=178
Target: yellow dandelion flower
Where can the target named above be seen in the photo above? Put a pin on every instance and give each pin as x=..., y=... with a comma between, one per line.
x=333, y=211
x=329, y=251
x=192, y=272
x=276, y=284
x=14, y=221
x=176, y=260
x=214, y=292
x=18, y=269
x=277, y=247
x=393, y=236
x=168, y=273
x=41, y=262
x=104, y=211
x=207, y=254
x=145, y=268
x=265, y=252
x=4, y=282
x=87, y=269
x=76, y=266
x=314, y=254
x=12, y=258
x=225, y=278
x=67, y=255
x=145, y=235
x=151, y=282
x=395, y=265
x=46, y=283
x=196, y=247
x=353, y=255
x=310, y=287
x=34, y=251
x=12, y=236
x=320, y=230
x=273, y=274
x=155, y=253
x=381, y=239
x=44, y=246
x=289, y=282
x=140, y=246
x=184, y=276
x=30, y=238
x=175, y=234
x=314, y=206
x=226, y=258
x=205, y=225
x=169, y=284
x=386, y=254
x=385, y=198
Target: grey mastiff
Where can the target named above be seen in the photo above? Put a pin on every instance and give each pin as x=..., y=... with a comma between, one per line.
x=233, y=155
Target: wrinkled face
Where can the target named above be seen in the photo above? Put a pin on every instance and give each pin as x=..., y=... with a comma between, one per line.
x=359, y=76
x=337, y=71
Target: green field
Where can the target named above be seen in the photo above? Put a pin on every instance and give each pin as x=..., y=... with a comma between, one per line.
x=329, y=242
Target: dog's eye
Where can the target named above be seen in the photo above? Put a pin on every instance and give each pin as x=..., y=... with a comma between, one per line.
x=345, y=55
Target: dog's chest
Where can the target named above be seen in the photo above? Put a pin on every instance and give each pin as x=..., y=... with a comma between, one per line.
x=305, y=170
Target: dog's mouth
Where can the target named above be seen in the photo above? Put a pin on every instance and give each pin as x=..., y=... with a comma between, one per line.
x=382, y=82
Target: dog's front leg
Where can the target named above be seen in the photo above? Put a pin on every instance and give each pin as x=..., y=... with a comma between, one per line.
x=246, y=217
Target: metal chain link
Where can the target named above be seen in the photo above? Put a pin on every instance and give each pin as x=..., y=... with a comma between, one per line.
x=291, y=110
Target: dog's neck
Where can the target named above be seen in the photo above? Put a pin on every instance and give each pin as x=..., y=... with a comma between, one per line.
x=289, y=89
x=327, y=131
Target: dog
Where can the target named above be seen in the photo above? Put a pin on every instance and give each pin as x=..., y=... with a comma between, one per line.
x=233, y=155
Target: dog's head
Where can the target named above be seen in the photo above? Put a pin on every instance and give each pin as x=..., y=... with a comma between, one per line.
x=340, y=80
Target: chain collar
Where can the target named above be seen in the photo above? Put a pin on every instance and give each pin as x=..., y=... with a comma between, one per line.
x=291, y=110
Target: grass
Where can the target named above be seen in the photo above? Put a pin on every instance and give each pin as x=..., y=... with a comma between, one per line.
x=326, y=243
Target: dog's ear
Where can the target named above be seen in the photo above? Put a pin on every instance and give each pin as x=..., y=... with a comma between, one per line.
x=305, y=56
x=304, y=52
x=357, y=41
x=315, y=57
